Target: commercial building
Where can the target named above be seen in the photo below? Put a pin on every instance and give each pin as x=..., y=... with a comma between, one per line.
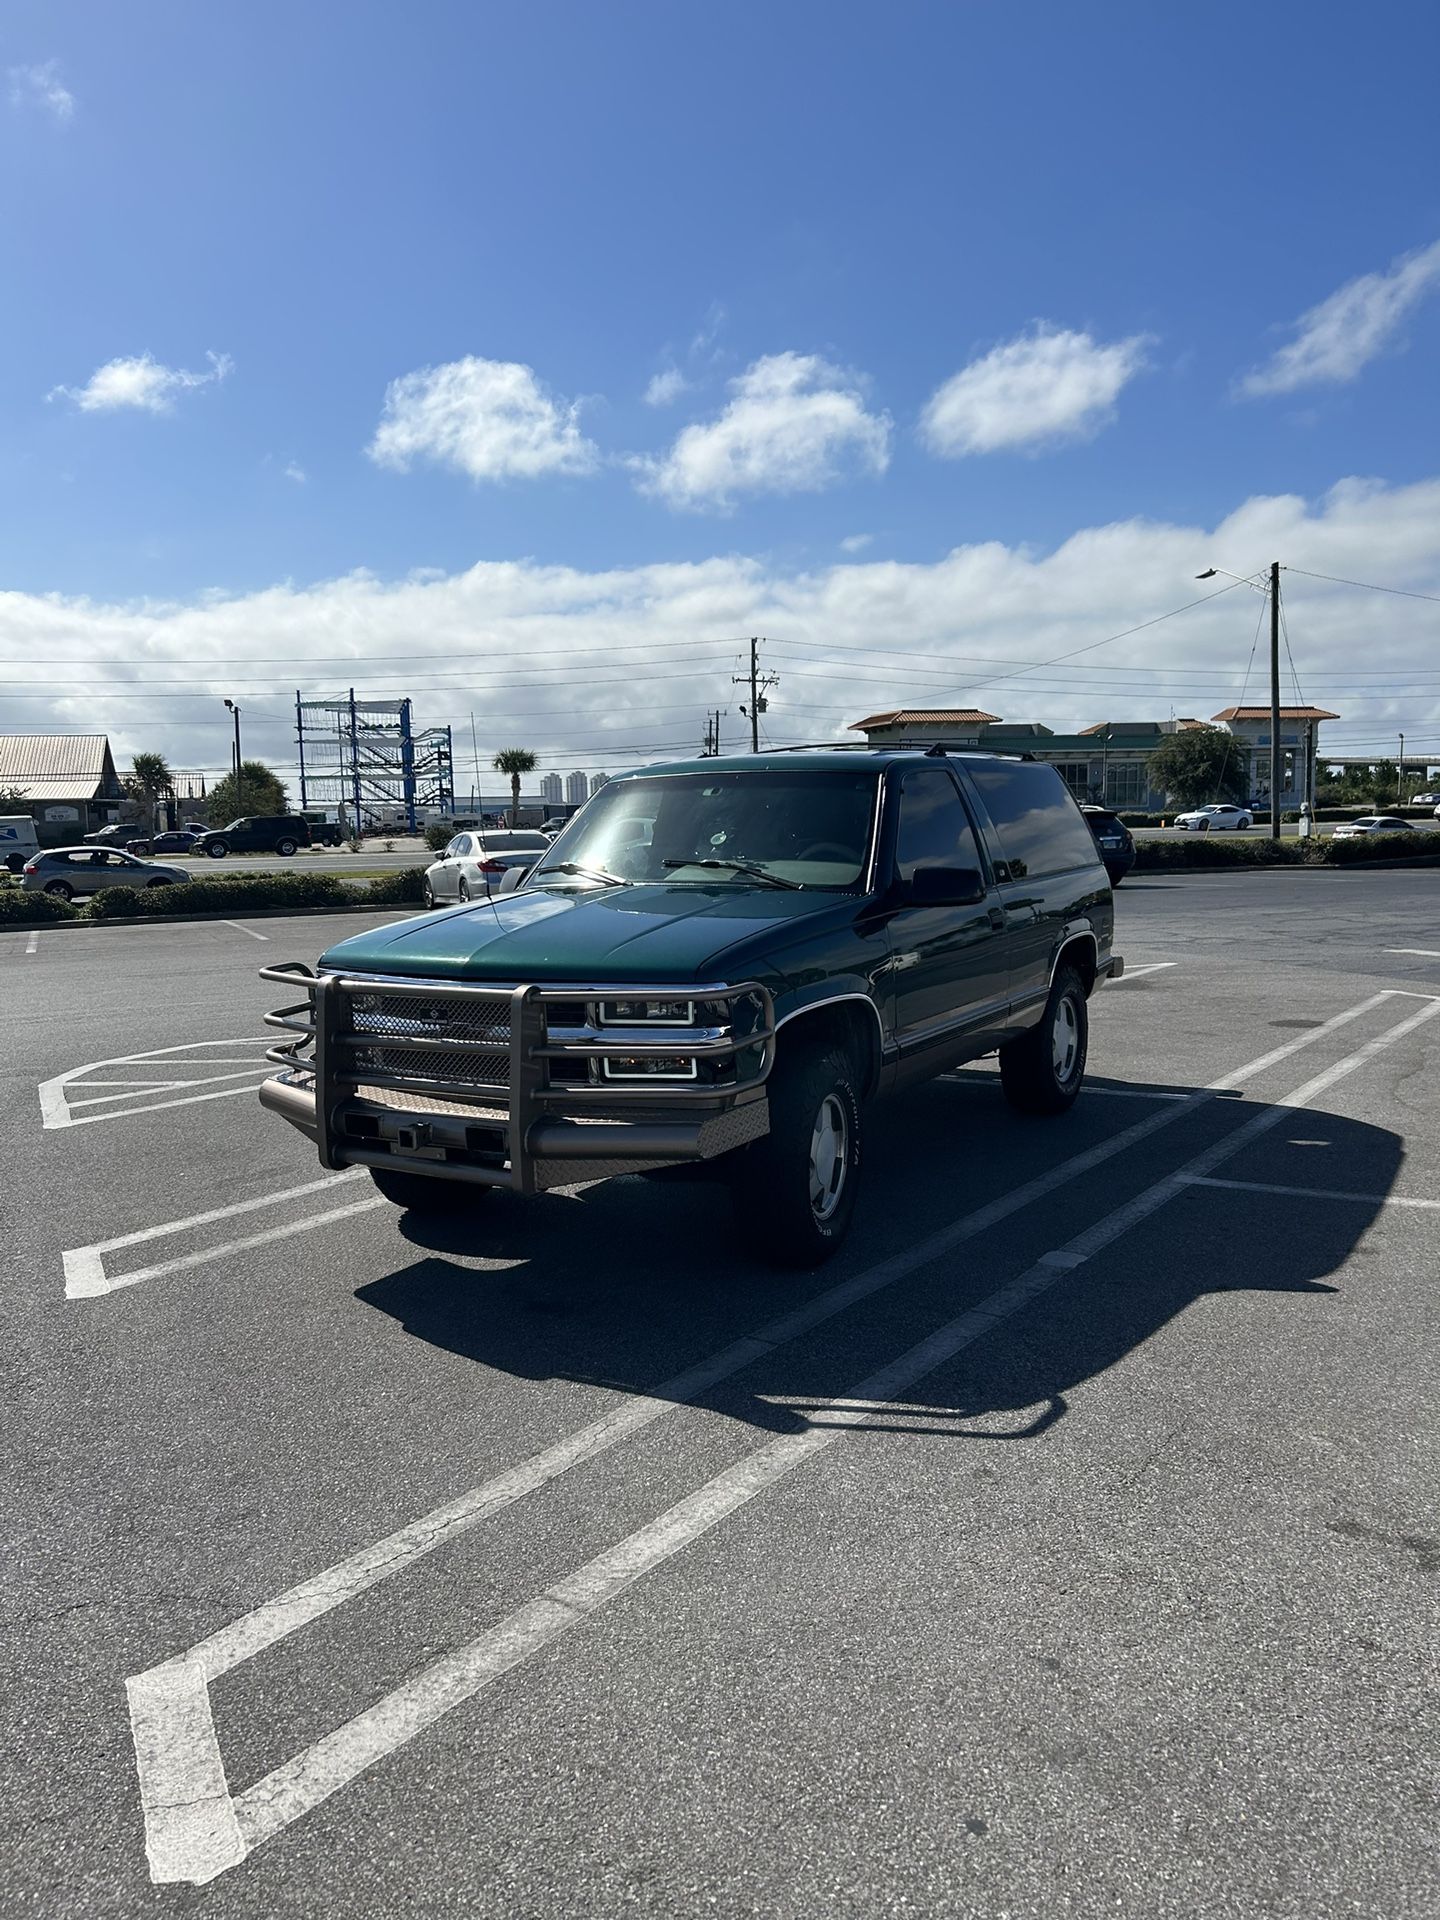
x=1107, y=761
x=67, y=781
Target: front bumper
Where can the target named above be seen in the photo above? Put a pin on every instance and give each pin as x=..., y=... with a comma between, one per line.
x=511, y=1086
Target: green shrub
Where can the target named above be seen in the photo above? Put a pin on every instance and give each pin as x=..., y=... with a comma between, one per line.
x=438, y=836
x=16, y=905
x=241, y=893
x=403, y=889
x=1215, y=853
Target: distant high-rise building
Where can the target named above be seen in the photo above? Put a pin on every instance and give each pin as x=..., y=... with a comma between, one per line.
x=577, y=789
x=552, y=789
x=597, y=780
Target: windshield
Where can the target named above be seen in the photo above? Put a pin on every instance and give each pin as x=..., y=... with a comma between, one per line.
x=800, y=829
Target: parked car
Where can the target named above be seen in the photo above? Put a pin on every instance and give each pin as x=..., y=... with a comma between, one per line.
x=1424, y=800
x=474, y=864
x=1216, y=818
x=324, y=832
x=128, y=834
x=175, y=840
x=721, y=961
x=282, y=833
x=1114, y=839
x=1374, y=823
x=67, y=871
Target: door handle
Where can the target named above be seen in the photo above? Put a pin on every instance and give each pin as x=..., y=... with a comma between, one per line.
x=997, y=917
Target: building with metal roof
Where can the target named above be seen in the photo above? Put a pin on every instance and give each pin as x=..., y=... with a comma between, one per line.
x=68, y=782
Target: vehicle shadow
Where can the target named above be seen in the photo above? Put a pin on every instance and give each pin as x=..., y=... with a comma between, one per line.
x=678, y=1288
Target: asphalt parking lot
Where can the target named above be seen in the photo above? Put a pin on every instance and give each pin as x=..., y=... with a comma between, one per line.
x=1067, y=1546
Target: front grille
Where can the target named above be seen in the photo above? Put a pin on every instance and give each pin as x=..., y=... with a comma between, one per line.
x=485, y=1025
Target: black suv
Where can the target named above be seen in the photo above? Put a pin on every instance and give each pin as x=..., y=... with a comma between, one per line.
x=722, y=960
x=1114, y=839
x=282, y=833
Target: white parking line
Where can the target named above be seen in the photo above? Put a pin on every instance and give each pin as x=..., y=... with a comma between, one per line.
x=54, y=1094
x=195, y=1829
x=85, y=1274
x=32, y=945
x=1134, y=973
x=1313, y=1193
x=1425, y=953
x=250, y=930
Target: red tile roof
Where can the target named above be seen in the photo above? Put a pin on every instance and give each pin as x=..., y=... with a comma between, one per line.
x=1286, y=713
x=926, y=717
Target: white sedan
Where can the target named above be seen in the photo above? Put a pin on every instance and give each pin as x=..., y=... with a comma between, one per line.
x=1372, y=823
x=474, y=864
x=1214, y=819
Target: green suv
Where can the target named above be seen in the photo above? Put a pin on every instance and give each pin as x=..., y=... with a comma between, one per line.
x=724, y=960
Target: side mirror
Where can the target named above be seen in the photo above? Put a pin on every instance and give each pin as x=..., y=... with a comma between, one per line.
x=946, y=887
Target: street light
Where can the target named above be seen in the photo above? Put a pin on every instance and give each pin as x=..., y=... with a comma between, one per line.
x=239, y=782
x=1249, y=580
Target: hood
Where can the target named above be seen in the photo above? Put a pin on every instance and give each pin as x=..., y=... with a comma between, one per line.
x=631, y=934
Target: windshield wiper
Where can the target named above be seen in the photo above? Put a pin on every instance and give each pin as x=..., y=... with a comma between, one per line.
x=740, y=866
x=585, y=873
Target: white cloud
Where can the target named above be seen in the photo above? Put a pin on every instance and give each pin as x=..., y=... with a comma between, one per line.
x=1334, y=340
x=1047, y=386
x=585, y=665
x=140, y=381
x=856, y=542
x=489, y=418
x=40, y=86
x=795, y=424
x=666, y=387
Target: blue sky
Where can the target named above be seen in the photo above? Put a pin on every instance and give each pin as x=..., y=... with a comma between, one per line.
x=922, y=278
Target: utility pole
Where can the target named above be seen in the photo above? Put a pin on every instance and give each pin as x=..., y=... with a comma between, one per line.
x=759, y=684
x=1275, y=700
x=1400, y=775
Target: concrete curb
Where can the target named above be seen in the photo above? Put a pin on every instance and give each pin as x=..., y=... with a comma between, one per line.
x=1291, y=866
x=199, y=919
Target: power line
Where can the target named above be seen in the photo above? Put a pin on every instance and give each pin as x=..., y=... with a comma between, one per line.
x=1339, y=580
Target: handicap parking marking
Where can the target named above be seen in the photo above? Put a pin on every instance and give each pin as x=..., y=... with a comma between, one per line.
x=84, y=1267
x=163, y=1070
x=196, y=1828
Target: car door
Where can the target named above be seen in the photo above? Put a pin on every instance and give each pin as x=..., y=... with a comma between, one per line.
x=948, y=976
x=446, y=881
x=95, y=871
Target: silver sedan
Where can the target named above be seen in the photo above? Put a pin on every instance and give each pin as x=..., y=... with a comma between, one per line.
x=67, y=871
x=474, y=864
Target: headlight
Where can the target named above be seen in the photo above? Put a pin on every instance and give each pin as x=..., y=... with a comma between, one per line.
x=652, y=1066
x=647, y=1013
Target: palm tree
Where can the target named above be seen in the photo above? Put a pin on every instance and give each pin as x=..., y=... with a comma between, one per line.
x=514, y=761
x=150, y=782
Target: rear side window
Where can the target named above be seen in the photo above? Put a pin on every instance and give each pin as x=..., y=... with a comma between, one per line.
x=934, y=828
x=1039, y=826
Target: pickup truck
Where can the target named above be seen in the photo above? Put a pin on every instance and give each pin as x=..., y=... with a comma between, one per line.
x=720, y=962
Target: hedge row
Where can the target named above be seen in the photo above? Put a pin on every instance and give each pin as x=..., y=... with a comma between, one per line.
x=1209, y=850
x=225, y=897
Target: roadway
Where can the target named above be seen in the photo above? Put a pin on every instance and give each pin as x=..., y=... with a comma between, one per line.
x=1069, y=1545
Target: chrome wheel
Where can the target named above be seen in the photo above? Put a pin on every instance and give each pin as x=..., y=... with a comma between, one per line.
x=1065, y=1039
x=829, y=1157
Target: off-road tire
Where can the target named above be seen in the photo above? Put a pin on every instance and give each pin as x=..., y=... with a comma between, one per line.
x=771, y=1183
x=419, y=1193
x=1043, y=1071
